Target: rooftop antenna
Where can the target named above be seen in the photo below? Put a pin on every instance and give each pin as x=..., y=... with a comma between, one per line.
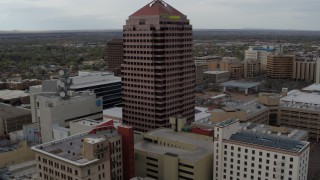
x=64, y=84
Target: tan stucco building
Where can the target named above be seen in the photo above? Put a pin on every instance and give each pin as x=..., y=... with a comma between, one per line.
x=165, y=154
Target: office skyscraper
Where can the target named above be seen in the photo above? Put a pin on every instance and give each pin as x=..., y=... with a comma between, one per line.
x=158, y=73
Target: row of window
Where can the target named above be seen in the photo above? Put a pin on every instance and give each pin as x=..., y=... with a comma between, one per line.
x=179, y=40
x=158, y=46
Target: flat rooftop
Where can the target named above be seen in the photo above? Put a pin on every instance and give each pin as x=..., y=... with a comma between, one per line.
x=272, y=141
x=89, y=79
x=240, y=84
x=303, y=100
x=114, y=112
x=7, y=111
x=312, y=88
x=200, y=148
x=252, y=108
x=12, y=94
x=70, y=149
x=284, y=132
x=216, y=72
x=201, y=113
x=207, y=58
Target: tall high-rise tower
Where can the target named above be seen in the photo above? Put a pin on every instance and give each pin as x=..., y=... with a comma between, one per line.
x=158, y=73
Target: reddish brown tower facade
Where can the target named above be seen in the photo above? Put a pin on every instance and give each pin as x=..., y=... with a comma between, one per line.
x=115, y=55
x=158, y=70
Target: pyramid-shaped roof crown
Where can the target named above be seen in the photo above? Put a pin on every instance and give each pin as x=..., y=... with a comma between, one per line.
x=156, y=8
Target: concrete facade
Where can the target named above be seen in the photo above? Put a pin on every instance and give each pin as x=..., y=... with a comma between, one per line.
x=239, y=154
x=20, y=154
x=166, y=154
x=49, y=109
x=260, y=54
x=216, y=76
x=12, y=118
x=302, y=111
x=98, y=154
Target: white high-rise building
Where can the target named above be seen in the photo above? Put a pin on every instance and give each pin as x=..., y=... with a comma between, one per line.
x=253, y=151
x=260, y=54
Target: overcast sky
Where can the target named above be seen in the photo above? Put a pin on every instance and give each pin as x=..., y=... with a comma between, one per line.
x=204, y=14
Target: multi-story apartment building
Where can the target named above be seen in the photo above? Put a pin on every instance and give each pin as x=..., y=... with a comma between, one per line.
x=51, y=111
x=253, y=151
x=98, y=154
x=158, y=73
x=260, y=54
x=115, y=55
x=168, y=154
x=251, y=68
x=280, y=67
x=301, y=110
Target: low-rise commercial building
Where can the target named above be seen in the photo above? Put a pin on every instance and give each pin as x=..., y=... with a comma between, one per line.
x=14, y=153
x=211, y=77
x=14, y=97
x=252, y=111
x=23, y=84
x=252, y=151
x=13, y=118
x=103, y=153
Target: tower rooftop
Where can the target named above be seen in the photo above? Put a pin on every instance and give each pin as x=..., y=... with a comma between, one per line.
x=156, y=8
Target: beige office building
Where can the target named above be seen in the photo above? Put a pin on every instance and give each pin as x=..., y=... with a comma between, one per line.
x=93, y=155
x=251, y=68
x=165, y=154
x=233, y=65
x=259, y=152
x=200, y=69
x=260, y=54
